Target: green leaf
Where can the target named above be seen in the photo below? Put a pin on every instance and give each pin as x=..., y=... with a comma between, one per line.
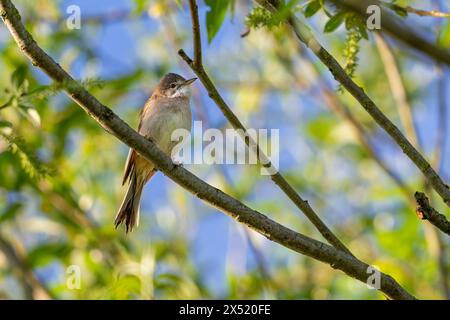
x=140, y=6
x=398, y=10
x=178, y=2
x=215, y=16
x=34, y=117
x=29, y=162
x=30, y=113
x=312, y=8
x=18, y=76
x=334, y=22
x=4, y=123
x=320, y=128
x=45, y=253
x=167, y=280
x=232, y=8
x=363, y=32
x=443, y=39
x=353, y=21
x=43, y=92
x=10, y=212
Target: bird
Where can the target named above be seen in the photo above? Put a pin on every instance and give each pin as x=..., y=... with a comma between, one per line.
x=167, y=109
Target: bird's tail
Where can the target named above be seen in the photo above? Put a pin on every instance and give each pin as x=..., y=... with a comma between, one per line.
x=129, y=209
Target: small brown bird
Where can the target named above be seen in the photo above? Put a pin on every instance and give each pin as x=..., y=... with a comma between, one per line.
x=167, y=109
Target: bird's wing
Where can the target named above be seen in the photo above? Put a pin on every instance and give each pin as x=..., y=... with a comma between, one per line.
x=129, y=165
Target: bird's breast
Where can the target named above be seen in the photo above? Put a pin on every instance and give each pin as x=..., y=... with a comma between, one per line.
x=162, y=119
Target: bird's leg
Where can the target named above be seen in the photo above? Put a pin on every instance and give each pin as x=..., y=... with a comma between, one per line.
x=177, y=162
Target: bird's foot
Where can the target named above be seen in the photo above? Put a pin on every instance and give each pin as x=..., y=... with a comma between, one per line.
x=178, y=163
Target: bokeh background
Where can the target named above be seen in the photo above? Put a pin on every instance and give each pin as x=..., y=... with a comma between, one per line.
x=60, y=172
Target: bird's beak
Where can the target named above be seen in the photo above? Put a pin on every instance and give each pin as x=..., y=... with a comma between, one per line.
x=188, y=82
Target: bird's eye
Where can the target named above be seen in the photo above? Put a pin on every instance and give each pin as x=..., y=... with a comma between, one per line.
x=173, y=85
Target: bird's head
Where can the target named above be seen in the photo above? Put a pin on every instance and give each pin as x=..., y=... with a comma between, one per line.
x=173, y=85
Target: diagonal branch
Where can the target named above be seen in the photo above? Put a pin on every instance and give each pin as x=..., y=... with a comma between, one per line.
x=397, y=88
x=406, y=116
x=215, y=197
x=426, y=212
x=364, y=140
x=197, y=66
x=304, y=35
x=441, y=139
x=32, y=286
x=397, y=28
x=422, y=13
x=334, y=104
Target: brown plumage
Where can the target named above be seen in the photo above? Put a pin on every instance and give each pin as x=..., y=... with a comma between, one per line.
x=167, y=110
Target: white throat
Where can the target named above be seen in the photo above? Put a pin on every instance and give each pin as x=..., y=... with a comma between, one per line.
x=184, y=91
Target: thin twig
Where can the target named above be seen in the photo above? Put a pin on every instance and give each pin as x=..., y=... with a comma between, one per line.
x=441, y=139
x=442, y=135
x=426, y=212
x=196, y=33
x=33, y=287
x=398, y=89
x=406, y=116
x=7, y=103
x=279, y=180
x=442, y=264
x=272, y=230
x=420, y=12
x=438, y=155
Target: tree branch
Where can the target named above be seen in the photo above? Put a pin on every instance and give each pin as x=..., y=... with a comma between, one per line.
x=234, y=208
x=441, y=139
x=397, y=28
x=335, y=105
x=346, y=114
x=33, y=288
x=420, y=12
x=442, y=263
x=196, y=33
x=197, y=66
x=304, y=35
x=398, y=89
x=426, y=212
